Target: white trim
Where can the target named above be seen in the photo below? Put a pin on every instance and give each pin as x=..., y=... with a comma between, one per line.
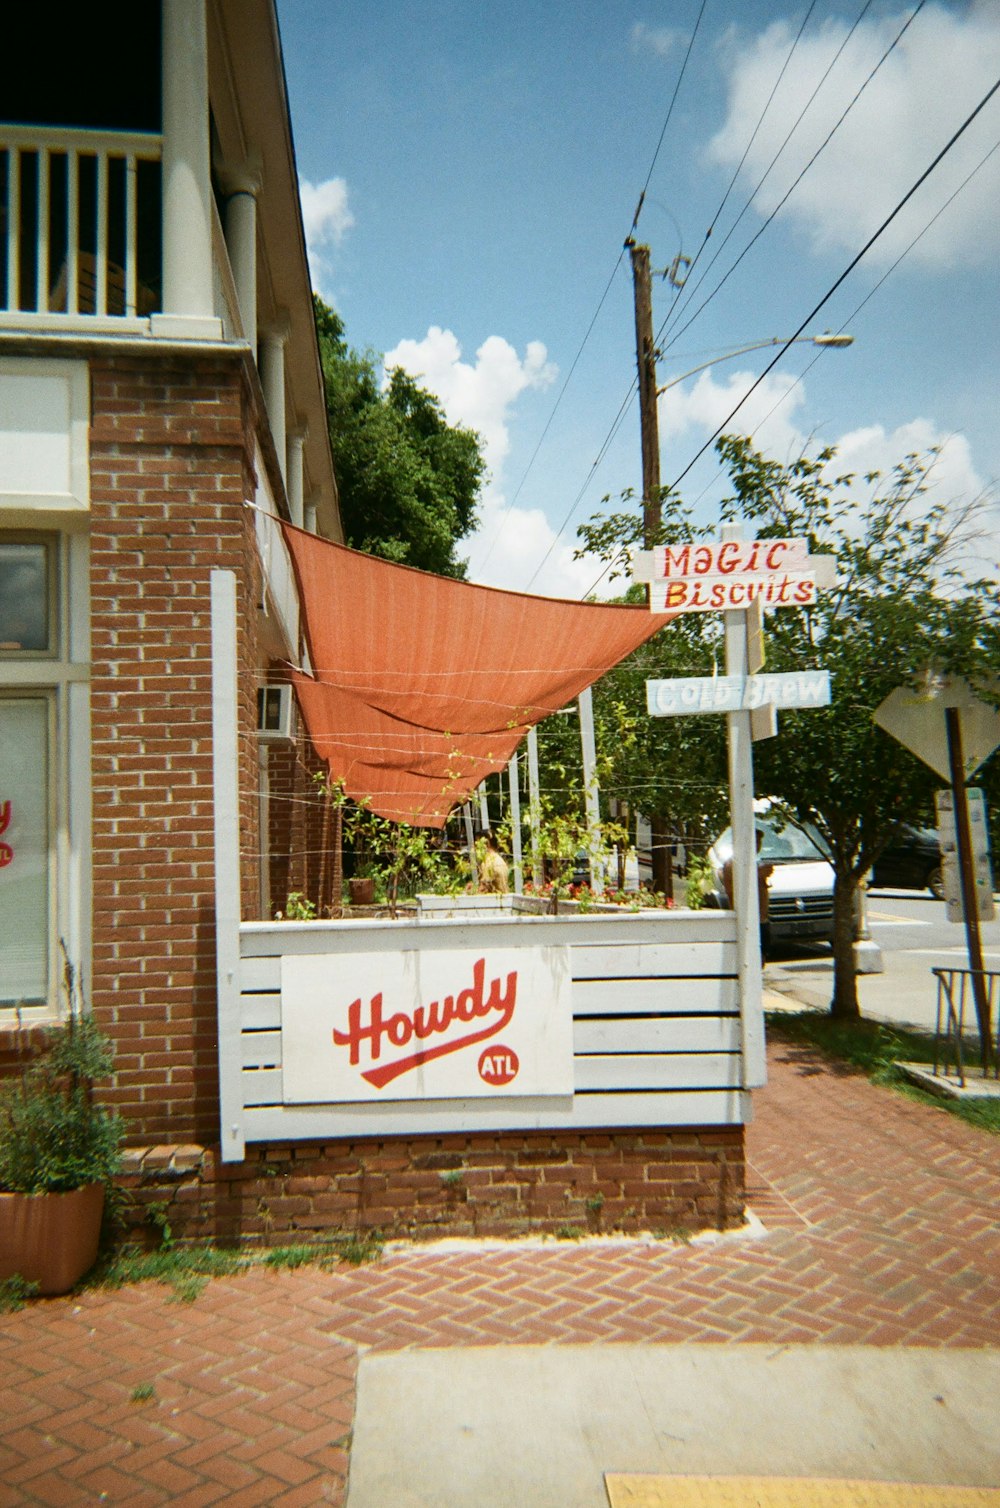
x=226, y=815
x=63, y=680
x=75, y=377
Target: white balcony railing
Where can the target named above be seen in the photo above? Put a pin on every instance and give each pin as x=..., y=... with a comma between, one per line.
x=79, y=223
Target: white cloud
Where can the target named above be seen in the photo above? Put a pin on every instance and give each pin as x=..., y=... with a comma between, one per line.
x=508, y=545
x=660, y=40
x=766, y=415
x=941, y=69
x=481, y=395
x=509, y=542
x=326, y=219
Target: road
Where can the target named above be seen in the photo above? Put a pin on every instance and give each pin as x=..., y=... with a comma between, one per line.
x=914, y=936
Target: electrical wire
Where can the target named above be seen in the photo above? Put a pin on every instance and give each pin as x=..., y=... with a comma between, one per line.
x=619, y=419
x=819, y=150
x=635, y=221
x=753, y=136
x=843, y=276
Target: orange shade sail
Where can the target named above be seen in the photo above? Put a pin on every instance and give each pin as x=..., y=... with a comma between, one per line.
x=421, y=685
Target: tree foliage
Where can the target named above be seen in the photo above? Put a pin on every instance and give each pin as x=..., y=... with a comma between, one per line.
x=904, y=606
x=903, y=610
x=674, y=767
x=408, y=479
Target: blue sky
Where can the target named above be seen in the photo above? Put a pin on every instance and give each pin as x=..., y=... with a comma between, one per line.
x=470, y=173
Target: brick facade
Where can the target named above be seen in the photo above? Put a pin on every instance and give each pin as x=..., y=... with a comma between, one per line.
x=510, y=1184
x=172, y=447
x=171, y=464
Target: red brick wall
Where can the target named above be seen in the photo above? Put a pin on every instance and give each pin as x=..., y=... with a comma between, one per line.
x=484, y=1185
x=171, y=448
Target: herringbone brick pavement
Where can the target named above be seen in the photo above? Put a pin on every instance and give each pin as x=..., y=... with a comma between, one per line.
x=881, y=1229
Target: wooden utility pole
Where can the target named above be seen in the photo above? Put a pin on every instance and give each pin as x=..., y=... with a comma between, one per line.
x=645, y=353
x=649, y=429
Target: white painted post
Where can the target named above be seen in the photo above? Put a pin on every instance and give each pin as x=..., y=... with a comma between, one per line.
x=272, y=380
x=188, y=285
x=484, y=809
x=534, y=808
x=295, y=473
x=226, y=817
x=745, y=899
x=515, y=825
x=592, y=795
x=241, y=240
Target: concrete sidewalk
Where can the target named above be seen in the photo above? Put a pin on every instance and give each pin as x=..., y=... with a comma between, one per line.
x=500, y=1426
x=826, y=1340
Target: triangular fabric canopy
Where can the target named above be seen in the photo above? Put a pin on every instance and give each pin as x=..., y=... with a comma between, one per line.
x=422, y=685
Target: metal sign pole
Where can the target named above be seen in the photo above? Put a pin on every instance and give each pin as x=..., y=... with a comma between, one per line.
x=745, y=896
x=970, y=906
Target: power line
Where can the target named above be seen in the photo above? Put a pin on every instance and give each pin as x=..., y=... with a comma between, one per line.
x=753, y=136
x=670, y=111
x=845, y=274
x=635, y=220
x=783, y=201
x=619, y=418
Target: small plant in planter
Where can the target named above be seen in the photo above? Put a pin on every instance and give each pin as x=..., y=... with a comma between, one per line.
x=59, y=1151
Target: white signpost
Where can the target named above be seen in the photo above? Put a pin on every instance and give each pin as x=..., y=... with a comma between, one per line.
x=740, y=578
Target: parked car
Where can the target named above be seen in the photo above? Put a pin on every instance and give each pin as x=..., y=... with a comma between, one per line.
x=800, y=890
x=911, y=862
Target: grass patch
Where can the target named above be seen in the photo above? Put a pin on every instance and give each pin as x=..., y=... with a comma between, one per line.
x=187, y=1269
x=875, y=1049
x=15, y=1293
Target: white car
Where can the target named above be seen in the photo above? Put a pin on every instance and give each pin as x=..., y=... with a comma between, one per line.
x=800, y=889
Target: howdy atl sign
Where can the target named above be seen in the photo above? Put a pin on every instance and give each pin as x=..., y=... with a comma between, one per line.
x=426, y=1025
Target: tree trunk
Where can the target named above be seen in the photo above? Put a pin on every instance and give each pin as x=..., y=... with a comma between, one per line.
x=662, y=867
x=845, y=1004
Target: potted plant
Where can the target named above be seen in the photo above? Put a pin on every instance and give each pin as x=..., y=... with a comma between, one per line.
x=59, y=1150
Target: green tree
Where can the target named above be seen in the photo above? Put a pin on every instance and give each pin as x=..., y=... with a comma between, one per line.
x=671, y=769
x=408, y=479
x=902, y=606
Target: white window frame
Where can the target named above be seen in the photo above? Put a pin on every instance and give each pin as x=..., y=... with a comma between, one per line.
x=62, y=678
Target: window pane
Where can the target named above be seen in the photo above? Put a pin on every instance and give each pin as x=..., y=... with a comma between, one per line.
x=24, y=850
x=25, y=598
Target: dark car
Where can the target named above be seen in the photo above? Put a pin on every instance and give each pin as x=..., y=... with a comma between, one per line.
x=911, y=862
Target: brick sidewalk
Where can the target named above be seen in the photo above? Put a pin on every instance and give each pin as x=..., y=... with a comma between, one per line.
x=881, y=1220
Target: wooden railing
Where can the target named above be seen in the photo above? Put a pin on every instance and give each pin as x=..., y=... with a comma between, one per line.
x=75, y=238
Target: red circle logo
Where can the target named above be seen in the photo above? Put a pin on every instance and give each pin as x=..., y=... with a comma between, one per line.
x=498, y=1065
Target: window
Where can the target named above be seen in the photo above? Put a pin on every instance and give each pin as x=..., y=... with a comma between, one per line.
x=25, y=849
x=27, y=599
x=44, y=766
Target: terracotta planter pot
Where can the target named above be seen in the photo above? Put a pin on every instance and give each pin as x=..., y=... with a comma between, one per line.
x=362, y=892
x=50, y=1239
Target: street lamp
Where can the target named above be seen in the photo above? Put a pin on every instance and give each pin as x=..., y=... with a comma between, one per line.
x=827, y=339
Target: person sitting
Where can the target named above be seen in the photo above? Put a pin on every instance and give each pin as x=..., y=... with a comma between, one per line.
x=764, y=873
x=493, y=876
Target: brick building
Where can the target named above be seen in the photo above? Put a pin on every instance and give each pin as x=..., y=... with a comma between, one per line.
x=158, y=371
x=161, y=409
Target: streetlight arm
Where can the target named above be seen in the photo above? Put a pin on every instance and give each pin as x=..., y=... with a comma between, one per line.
x=836, y=341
